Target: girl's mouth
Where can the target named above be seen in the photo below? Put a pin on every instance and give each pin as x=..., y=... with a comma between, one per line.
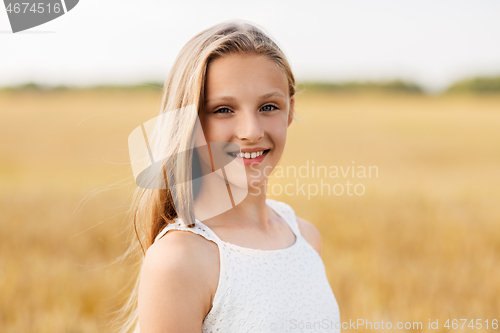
x=250, y=158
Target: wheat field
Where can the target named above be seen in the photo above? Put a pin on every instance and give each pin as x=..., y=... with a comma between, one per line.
x=418, y=241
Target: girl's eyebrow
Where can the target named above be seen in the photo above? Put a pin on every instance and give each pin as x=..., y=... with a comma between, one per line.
x=231, y=98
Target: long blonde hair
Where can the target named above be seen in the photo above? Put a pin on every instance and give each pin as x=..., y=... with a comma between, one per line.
x=153, y=209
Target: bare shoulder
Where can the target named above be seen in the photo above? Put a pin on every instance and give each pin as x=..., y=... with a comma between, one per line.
x=310, y=233
x=177, y=282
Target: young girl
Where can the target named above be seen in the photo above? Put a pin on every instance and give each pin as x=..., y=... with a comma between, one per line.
x=251, y=265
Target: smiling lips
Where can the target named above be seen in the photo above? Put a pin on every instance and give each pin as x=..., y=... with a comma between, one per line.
x=247, y=157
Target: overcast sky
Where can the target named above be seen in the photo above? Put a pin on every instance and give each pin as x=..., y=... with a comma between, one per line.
x=431, y=42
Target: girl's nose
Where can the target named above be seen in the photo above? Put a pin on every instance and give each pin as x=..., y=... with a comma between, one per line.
x=249, y=127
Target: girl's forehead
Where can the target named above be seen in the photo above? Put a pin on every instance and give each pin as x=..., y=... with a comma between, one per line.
x=242, y=71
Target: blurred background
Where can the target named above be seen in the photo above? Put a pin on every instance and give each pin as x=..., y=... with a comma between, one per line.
x=411, y=89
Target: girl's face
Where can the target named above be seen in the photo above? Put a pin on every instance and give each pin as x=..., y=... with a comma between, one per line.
x=247, y=103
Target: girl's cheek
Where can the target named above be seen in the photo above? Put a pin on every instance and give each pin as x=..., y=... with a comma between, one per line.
x=278, y=128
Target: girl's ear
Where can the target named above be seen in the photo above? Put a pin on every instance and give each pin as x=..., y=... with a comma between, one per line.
x=291, y=110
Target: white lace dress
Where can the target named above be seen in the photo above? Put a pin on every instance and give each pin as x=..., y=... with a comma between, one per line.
x=283, y=290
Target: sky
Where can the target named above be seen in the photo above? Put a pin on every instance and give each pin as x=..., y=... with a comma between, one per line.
x=432, y=43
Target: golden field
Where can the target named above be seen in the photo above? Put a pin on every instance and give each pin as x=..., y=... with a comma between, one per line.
x=422, y=242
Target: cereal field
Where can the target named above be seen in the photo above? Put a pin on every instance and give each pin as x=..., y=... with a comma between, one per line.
x=417, y=239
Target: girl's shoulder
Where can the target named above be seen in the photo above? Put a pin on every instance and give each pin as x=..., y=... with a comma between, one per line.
x=181, y=256
x=182, y=247
x=179, y=241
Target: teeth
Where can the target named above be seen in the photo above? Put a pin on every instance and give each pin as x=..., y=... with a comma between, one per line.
x=249, y=155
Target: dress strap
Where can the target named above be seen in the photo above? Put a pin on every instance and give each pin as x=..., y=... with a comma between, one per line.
x=198, y=228
x=286, y=212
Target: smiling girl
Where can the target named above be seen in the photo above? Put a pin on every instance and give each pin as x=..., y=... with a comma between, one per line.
x=255, y=266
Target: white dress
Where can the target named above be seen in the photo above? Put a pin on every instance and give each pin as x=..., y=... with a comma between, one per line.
x=283, y=290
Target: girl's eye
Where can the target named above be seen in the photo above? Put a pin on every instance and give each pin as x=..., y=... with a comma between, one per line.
x=222, y=110
x=269, y=105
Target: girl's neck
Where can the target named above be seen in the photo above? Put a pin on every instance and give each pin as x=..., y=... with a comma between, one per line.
x=252, y=212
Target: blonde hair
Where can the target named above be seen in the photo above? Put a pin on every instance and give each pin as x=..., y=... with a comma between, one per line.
x=153, y=209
